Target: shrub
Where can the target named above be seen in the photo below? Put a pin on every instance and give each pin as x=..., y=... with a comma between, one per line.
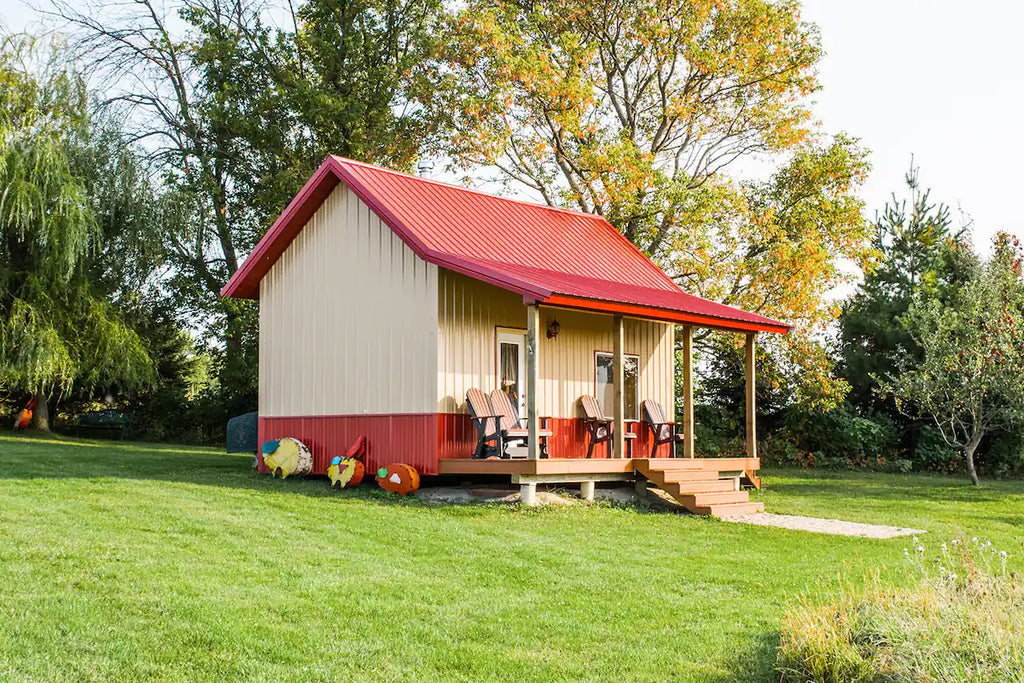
x=961, y=619
x=1004, y=455
x=842, y=437
x=933, y=453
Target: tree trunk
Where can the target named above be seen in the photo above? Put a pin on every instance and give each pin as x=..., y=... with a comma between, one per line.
x=41, y=414
x=969, y=449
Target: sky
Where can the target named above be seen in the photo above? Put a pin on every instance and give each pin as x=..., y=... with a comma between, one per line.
x=942, y=80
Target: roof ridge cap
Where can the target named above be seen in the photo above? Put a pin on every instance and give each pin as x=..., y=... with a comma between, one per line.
x=473, y=190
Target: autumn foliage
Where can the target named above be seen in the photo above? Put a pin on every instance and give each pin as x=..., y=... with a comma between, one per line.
x=647, y=113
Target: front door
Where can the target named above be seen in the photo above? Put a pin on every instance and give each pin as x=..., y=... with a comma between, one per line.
x=512, y=368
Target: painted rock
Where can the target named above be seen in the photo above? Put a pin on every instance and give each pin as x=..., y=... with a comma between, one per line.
x=398, y=478
x=346, y=471
x=287, y=456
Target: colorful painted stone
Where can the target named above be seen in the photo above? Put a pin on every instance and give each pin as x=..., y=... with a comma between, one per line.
x=287, y=456
x=398, y=478
x=346, y=471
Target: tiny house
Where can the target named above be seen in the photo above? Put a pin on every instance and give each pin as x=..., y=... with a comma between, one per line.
x=385, y=297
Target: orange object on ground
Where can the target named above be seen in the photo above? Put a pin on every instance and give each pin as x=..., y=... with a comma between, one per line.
x=345, y=472
x=398, y=478
x=25, y=417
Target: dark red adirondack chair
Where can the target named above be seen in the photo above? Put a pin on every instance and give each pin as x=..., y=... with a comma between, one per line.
x=599, y=427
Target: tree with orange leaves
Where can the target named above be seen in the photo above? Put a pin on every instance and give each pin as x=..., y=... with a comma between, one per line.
x=638, y=110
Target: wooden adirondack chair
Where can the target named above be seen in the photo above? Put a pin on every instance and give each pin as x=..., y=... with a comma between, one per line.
x=599, y=427
x=512, y=424
x=488, y=424
x=662, y=431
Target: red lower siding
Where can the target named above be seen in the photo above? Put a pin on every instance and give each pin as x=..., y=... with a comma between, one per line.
x=410, y=438
x=420, y=439
x=457, y=438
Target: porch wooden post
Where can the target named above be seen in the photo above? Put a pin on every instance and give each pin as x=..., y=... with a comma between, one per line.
x=688, y=392
x=618, y=383
x=532, y=380
x=751, y=442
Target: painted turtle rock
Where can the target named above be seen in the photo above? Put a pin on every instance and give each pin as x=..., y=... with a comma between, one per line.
x=287, y=456
x=398, y=478
x=346, y=471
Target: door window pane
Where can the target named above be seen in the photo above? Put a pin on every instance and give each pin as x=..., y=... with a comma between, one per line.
x=509, y=373
x=606, y=391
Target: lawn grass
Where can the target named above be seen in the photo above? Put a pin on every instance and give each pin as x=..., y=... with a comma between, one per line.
x=153, y=562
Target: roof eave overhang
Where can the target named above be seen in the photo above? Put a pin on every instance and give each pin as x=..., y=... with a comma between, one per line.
x=244, y=283
x=663, y=314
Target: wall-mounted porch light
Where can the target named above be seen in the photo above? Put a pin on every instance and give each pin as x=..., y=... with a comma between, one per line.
x=553, y=329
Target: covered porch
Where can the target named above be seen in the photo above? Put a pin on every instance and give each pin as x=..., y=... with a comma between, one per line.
x=701, y=484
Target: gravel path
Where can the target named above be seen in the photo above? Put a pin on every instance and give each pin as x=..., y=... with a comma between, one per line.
x=836, y=527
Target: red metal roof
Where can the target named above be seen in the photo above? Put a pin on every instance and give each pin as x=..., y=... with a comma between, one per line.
x=548, y=255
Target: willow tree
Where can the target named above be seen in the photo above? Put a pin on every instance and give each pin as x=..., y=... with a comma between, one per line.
x=641, y=111
x=54, y=330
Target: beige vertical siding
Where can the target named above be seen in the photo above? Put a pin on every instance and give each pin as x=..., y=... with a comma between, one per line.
x=470, y=313
x=348, y=320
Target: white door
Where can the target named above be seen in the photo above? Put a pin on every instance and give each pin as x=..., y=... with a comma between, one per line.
x=512, y=368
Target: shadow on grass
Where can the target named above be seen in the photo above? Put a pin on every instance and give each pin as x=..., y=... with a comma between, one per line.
x=57, y=457
x=754, y=662
x=33, y=456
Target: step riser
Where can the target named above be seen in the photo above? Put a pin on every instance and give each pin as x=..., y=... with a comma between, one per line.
x=687, y=476
x=704, y=499
x=728, y=510
x=692, y=488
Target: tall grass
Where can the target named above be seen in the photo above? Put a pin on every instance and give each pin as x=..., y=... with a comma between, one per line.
x=961, y=619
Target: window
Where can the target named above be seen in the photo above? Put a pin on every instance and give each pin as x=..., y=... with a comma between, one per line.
x=606, y=392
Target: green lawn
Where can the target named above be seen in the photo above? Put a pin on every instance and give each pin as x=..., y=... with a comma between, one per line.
x=139, y=561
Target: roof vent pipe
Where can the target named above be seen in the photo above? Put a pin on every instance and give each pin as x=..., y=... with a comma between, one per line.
x=424, y=168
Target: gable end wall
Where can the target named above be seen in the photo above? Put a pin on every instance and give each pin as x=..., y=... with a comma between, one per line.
x=348, y=320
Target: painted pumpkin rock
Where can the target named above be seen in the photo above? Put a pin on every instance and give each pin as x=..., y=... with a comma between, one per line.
x=346, y=471
x=287, y=456
x=398, y=478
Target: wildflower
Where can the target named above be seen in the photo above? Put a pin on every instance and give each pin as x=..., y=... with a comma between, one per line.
x=906, y=553
x=920, y=548
x=1002, y=554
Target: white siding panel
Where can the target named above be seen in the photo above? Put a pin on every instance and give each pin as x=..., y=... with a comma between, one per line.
x=470, y=314
x=348, y=319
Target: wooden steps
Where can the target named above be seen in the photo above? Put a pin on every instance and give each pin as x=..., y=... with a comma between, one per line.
x=699, y=488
